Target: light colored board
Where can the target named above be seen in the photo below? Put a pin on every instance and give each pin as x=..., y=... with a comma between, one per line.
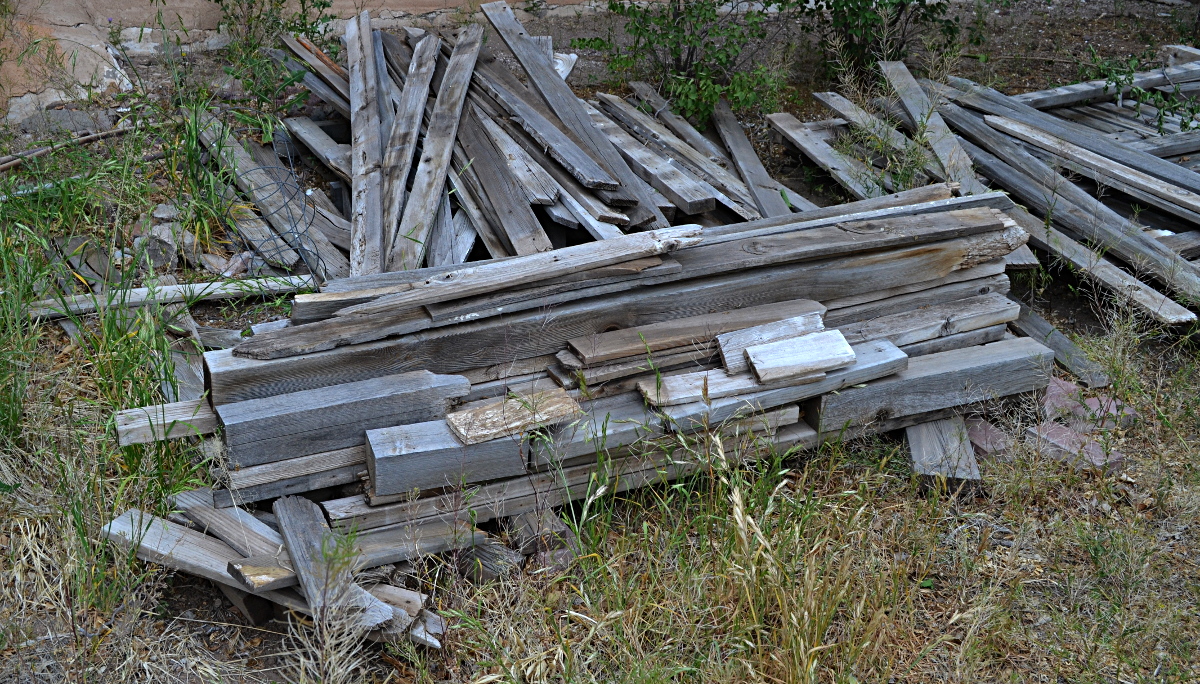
x=684, y=192
x=851, y=174
x=408, y=247
x=165, y=421
x=797, y=358
x=1102, y=89
x=387, y=95
x=1066, y=352
x=243, y=532
x=962, y=340
x=879, y=129
x=938, y=381
x=366, y=150
x=562, y=101
x=761, y=186
x=666, y=359
x=313, y=421
x=403, y=137
x=1169, y=145
x=331, y=154
x=290, y=476
x=168, y=294
x=709, y=385
x=410, y=458
x=733, y=344
x=487, y=277
x=936, y=133
x=327, y=585
x=938, y=320
x=539, y=186
x=174, y=546
x=941, y=449
x=678, y=125
x=512, y=415
x=693, y=330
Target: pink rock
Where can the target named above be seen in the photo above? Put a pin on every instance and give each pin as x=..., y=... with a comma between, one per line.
x=988, y=440
x=1064, y=400
x=1065, y=444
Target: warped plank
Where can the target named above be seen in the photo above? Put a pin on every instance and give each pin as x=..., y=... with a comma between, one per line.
x=168, y=294
x=366, y=150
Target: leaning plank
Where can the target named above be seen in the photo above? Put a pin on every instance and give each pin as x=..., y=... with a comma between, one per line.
x=247, y=534
x=678, y=125
x=402, y=139
x=331, y=154
x=511, y=415
x=410, y=458
x=300, y=423
x=290, y=476
x=366, y=150
x=1065, y=351
x=539, y=186
x=1102, y=89
x=175, y=546
x=700, y=330
x=798, y=357
x=851, y=174
x=324, y=70
x=563, y=102
x=762, y=187
x=938, y=381
x=326, y=581
x=165, y=421
x=879, y=129
x=937, y=134
x=314, y=84
x=734, y=344
x=474, y=280
x=408, y=248
x=941, y=449
x=168, y=294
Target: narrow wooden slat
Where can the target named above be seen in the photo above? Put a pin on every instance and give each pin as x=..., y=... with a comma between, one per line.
x=1102, y=89
x=366, y=151
x=851, y=174
x=312, y=82
x=165, y=421
x=941, y=449
x=175, y=546
x=168, y=294
x=245, y=533
x=880, y=129
x=1070, y=356
x=408, y=248
x=733, y=344
x=333, y=155
x=762, y=187
x=937, y=134
x=402, y=139
x=1169, y=145
x=538, y=185
x=905, y=328
x=327, y=74
x=678, y=125
x=710, y=385
x=387, y=94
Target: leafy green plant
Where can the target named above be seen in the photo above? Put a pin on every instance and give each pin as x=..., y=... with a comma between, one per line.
x=699, y=50
x=869, y=30
x=1118, y=75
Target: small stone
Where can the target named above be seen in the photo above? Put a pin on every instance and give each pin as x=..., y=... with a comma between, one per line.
x=165, y=212
x=213, y=263
x=557, y=560
x=184, y=240
x=1065, y=444
x=72, y=120
x=988, y=440
x=156, y=251
x=237, y=265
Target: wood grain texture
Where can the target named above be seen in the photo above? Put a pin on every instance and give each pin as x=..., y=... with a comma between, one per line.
x=962, y=340
x=291, y=476
x=933, y=321
x=410, y=458
x=243, y=532
x=935, y=131
x=763, y=188
x=1101, y=89
x=415, y=223
x=937, y=381
x=538, y=185
x=403, y=138
x=301, y=423
x=331, y=154
x=605, y=425
x=679, y=125
x=168, y=294
x=1066, y=352
x=879, y=129
x=165, y=421
x=733, y=344
x=366, y=150
x=708, y=385
x=174, y=546
x=512, y=415
x=941, y=449
x=798, y=358
x=851, y=174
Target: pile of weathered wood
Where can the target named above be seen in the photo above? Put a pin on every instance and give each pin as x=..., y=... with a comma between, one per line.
x=416, y=406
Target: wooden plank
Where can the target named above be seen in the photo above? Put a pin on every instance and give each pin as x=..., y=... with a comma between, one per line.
x=243, y=532
x=693, y=330
x=875, y=359
x=798, y=357
x=324, y=70
x=326, y=582
x=682, y=190
x=934, y=130
x=931, y=322
x=505, y=194
x=759, y=183
x=403, y=137
x=938, y=381
x=469, y=196
x=1101, y=89
x=941, y=449
x=880, y=130
x=415, y=223
x=387, y=95
x=708, y=386
x=667, y=359
x=606, y=425
x=300, y=423
x=539, y=186
x=678, y=125
x=562, y=101
x=473, y=280
x=1023, y=259
x=1186, y=244
x=256, y=234
x=313, y=83
x=290, y=476
x=285, y=212
x=174, y=546
x=410, y=458
x=168, y=294
x=734, y=344
x=512, y=415
x=331, y=154
x=1070, y=356
x=962, y=340
x=1168, y=145
x=366, y=150
x=851, y=174
x=165, y=421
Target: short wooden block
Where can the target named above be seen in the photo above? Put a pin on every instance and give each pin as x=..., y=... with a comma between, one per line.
x=733, y=344
x=799, y=357
x=941, y=449
x=409, y=458
x=512, y=415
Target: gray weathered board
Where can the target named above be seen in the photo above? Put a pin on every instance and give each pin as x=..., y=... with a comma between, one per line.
x=410, y=458
x=941, y=449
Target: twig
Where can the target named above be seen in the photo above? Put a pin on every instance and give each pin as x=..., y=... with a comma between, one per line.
x=13, y=160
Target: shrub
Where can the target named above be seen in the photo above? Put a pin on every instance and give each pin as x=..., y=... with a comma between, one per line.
x=871, y=30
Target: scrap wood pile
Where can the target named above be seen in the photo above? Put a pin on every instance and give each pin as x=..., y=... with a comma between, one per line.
x=415, y=405
x=1108, y=187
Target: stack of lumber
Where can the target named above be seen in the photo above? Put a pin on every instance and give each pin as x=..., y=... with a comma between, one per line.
x=1106, y=186
x=424, y=402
